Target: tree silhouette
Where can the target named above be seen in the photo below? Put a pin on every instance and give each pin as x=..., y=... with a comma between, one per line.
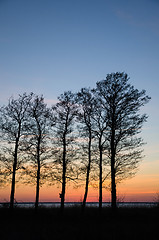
x=85, y=116
x=36, y=141
x=122, y=102
x=64, y=113
x=109, y=122
x=13, y=126
x=100, y=122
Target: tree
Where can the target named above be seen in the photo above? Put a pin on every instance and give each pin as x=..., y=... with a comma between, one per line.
x=64, y=113
x=100, y=123
x=13, y=126
x=122, y=102
x=86, y=105
x=36, y=141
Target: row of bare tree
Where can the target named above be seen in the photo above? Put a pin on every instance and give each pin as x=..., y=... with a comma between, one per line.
x=89, y=133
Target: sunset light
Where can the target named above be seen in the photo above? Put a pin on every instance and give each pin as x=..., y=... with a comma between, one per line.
x=53, y=51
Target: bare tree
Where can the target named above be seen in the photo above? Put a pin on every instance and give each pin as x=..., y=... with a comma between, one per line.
x=13, y=127
x=93, y=118
x=36, y=142
x=85, y=117
x=100, y=122
x=65, y=112
x=122, y=103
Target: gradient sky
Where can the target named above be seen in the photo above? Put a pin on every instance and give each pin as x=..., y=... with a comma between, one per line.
x=49, y=46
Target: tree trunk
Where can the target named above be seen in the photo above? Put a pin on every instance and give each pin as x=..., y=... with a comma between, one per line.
x=63, y=190
x=13, y=185
x=113, y=188
x=100, y=177
x=37, y=187
x=86, y=187
x=87, y=175
x=13, y=175
x=113, y=184
x=63, y=177
x=38, y=175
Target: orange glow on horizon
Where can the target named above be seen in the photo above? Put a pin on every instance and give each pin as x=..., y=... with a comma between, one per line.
x=142, y=188
x=51, y=194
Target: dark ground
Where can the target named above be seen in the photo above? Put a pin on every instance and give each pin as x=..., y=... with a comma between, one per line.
x=128, y=224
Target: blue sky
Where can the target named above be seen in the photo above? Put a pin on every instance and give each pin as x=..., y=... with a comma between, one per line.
x=49, y=46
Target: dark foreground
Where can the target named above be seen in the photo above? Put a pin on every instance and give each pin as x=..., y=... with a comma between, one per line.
x=128, y=223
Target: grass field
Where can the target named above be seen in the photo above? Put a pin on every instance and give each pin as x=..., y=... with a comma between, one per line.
x=128, y=223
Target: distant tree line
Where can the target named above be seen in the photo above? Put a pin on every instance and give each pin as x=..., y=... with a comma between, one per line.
x=91, y=135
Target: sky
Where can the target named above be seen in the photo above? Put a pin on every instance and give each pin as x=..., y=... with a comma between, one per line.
x=51, y=46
